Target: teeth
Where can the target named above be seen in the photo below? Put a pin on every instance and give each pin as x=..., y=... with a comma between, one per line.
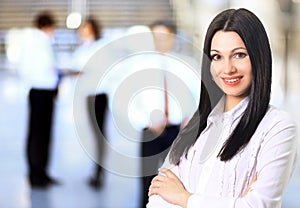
x=232, y=80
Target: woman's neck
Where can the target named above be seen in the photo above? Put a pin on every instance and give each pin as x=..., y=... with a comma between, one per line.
x=231, y=102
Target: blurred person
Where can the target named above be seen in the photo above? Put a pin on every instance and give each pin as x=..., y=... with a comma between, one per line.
x=144, y=74
x=38, y=68
x=169, y=108
x=239, y=151
x=89, y=33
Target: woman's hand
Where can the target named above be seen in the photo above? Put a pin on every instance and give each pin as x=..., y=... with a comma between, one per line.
x=167, y=185
x=249, y=185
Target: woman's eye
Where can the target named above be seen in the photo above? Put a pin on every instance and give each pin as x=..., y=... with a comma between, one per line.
x=215, y=57
x=240, y=55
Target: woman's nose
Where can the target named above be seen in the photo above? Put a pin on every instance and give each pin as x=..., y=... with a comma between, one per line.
x=229, y=67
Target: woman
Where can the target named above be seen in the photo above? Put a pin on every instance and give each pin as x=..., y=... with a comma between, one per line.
x=239, y=152
x=89, y=34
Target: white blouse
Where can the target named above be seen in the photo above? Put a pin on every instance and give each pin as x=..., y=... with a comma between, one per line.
x=270, y=154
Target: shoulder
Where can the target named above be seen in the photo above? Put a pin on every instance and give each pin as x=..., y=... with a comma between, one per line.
x=276, y=116
x=40, y=35
x=277, y=130
x=278, y=125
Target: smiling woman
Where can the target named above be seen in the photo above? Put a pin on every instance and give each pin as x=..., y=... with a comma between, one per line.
x=238, y=151
x=231, y=67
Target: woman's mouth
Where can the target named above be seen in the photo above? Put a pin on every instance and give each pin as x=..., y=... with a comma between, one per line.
x=232, y=81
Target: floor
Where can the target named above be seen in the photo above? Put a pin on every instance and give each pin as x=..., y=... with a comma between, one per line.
x=71, y=161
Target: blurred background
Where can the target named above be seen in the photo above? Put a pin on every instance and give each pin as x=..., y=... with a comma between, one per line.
x=69, y=161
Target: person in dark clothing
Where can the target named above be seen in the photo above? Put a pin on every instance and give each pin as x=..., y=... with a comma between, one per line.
x=38, y=65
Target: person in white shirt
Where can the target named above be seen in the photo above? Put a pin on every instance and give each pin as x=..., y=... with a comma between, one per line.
x=38, y=68
x=167, y=106
x=237, y=151
x=90, y=35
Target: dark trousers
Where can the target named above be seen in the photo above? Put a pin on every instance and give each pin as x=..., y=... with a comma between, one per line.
x=154, y=149
x=41, y=104
x=97, y=106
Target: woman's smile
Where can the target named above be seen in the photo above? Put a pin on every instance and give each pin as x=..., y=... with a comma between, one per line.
x=232, y=81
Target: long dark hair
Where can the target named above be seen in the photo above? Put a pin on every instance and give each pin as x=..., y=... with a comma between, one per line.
x=255, y=38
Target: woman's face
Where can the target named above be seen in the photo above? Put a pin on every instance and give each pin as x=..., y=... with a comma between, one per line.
x=230, y=65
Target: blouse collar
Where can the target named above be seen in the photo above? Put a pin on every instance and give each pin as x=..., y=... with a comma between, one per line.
x=232, y=115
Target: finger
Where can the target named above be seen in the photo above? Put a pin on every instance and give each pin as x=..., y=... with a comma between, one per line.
x=155, y=178
x=153, y=191
x=169, y=173
x=254, y=179
x=159, y=178
x=155, y=188
x=156, y=184
x=162, y=169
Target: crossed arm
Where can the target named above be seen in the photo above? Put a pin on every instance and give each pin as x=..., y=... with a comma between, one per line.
x=170, y=188
x=274, y=167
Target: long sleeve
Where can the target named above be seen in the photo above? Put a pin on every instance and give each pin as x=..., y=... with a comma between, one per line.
x=274, y=166
x=155, y=201
x=270, y=155
x=37, y=65
x=275, y=162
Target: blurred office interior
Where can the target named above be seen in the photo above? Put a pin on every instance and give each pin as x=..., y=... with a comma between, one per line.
x=70, y=161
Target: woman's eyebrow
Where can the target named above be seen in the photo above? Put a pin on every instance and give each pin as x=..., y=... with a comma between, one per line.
x=214, y=50
x=237, y=48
